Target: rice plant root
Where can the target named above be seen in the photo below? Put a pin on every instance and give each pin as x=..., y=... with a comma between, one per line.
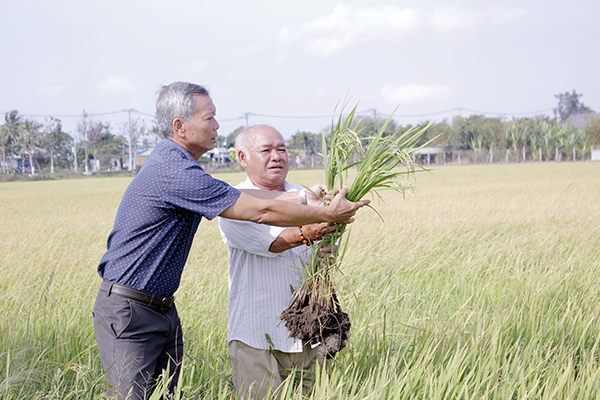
x=318, y=323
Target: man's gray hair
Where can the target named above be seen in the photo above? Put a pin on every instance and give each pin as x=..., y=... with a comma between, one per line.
x=243, y=140
x=176, y=101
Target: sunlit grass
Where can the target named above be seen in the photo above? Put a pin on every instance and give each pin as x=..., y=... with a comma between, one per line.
x=482, y=284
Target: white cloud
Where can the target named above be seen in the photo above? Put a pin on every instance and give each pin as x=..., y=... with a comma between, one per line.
x=346, y=25
x=52, y=90
x=450, y=18
x=118, y=84
x=413, y=93
x=502, y=15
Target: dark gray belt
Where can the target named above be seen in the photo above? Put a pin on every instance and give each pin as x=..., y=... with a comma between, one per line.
x=134, y=294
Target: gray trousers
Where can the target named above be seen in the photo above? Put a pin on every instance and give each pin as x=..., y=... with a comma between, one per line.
x=257, y=372
x=136, y=342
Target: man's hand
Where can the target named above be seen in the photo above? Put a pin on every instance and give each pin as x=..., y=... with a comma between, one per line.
x=314, y=195
x=316, y=232
x=317, y=193
x=341, y=210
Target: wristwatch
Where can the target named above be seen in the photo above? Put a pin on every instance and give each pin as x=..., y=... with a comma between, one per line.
x=303, y=197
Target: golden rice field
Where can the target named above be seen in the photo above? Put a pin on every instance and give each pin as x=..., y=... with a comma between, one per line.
x=481, y=284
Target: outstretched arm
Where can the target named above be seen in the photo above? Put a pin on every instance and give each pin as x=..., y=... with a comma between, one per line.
x=314, y=196
x=281, y=213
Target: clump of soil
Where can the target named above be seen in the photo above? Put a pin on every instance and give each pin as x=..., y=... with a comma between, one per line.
x=318, y=322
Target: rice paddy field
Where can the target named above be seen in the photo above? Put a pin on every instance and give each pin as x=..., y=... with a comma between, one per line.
x=483, y=283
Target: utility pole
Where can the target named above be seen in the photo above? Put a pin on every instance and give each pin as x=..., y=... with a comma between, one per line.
x=130, y=137
x=375, y=121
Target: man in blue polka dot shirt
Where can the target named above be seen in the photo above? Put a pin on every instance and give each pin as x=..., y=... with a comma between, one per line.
x=138, y=331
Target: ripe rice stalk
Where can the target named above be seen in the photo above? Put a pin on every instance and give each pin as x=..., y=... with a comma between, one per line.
x=315, y=314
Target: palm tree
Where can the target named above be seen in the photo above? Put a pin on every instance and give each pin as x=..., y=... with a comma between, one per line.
x=27, y=139
x=549, y=134
x=574, y=138
x=8, y=133
x=534, y=144
x=476, y=143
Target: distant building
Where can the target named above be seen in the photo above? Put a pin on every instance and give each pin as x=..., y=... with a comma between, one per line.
x=429, y=155
x=22, y=164
x=141, y=157
x=116, y=164
x=581, y=121
x=219, y=155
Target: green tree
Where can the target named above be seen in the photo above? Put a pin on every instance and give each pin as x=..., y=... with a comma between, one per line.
x=493, y=132
x=592, y=133
x=27, y=140
x=568, y=104
x=8, y=135
x=476, y=130
x=517, y=135
x=134, y=131
x=55, y=141
x=83, y=127
x=573, y=140
x=94, y=134
x=437, y=135
x=230, y=139
x=540, y=135
x=550, y=134
x=309, y=142
x=467, y=130
x=110, y=147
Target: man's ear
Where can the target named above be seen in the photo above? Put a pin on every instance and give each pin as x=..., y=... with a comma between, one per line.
x=178, y=127
x=241, y=156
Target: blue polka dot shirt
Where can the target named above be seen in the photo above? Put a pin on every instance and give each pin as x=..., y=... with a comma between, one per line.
x=158, y=218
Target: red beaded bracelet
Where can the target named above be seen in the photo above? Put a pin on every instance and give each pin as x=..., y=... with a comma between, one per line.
x=302, y=238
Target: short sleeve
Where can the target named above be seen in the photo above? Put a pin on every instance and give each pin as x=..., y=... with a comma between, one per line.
x=195, y=190
x=248, y=236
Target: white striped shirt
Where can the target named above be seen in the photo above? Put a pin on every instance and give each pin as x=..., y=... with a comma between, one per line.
x=260, y=282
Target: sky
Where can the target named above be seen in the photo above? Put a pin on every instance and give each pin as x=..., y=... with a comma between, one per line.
x=294, y=64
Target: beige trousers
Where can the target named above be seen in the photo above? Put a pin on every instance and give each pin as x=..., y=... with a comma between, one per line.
x=258, y=373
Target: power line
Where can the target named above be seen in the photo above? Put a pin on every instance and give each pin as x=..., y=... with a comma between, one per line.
x=246, y=115
x=80, y=115
x=460, y=109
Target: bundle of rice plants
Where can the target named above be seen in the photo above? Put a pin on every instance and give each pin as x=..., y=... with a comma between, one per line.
x=315, y=314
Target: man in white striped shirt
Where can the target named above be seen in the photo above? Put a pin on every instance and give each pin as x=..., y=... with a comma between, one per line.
x=265, y=264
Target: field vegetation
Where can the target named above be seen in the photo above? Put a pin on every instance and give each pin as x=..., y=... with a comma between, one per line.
x=480, y=284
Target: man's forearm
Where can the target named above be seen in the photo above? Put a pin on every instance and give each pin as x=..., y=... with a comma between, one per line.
x=280, y=213
x=307, y=234
x=275, y=212
x=313, y=196
x=287, y=239
x=290, y=197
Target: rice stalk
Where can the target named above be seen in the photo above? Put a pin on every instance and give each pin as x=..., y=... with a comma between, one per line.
x=315, y=314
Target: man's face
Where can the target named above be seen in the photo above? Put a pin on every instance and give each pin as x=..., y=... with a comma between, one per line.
x=201, y=130
x=267, y=162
